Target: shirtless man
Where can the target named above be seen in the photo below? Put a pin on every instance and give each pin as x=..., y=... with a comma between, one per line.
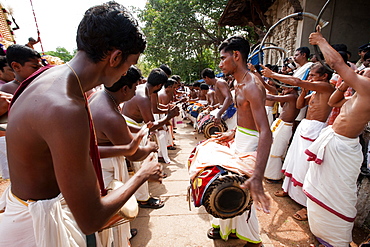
x=295, y=164
x=112, y=131
x=6, y=73
x=331, y=186
x=252, y=134
x=137, y=112
x=48, y=140
x=282, y=129
x=222, y=90
x=24, y=61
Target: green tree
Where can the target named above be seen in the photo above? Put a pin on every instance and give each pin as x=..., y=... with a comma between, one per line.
x=62, y=53
x=185, y=34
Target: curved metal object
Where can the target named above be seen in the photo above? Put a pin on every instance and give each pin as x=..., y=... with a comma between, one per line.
x=282, y=50
x=312, y=16
x=315, y=47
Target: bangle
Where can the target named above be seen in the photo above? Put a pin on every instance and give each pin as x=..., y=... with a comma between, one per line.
x=340, y=90
x=233, y=130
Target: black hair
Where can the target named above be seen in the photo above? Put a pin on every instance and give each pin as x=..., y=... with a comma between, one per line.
x=170, y=82
x=196, y=84
x=236, y=43
x=20, y=54
x=207, y=73
x=157, y=77
x=3, y=63
x=204, y=86
x=340, y=47
x=304, y=50
x=343, y=54
x=132, y=76
x=367, y=55
x=321, y=70
x=177, y=78
x=106, y=27
x=166, y=69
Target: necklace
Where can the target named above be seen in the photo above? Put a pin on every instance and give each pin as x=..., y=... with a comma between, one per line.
x=78, y=79
x=16, y=80
x=118, y=108
x=242, y=84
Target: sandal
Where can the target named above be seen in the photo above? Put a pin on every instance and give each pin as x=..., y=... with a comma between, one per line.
x=152, y=202
x=301, y=215
x=273, y=181
x=214, y=233
x=280, y=193
x=133, y=232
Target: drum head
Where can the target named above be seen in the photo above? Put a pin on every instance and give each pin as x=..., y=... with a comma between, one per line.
x=225, y=199
x=210, y=128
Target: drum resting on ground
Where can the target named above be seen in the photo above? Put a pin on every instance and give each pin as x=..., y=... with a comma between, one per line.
x=219, y=191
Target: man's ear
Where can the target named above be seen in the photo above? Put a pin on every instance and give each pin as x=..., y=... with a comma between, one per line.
x=236, y=55
x=115, y=58
x=16, y=66
x=124, y=89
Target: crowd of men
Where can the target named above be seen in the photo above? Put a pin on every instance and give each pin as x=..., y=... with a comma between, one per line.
x=76, y=128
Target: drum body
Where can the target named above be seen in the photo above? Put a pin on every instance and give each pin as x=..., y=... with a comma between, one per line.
x=208, y=127
x=128, y=211
x=219, y=191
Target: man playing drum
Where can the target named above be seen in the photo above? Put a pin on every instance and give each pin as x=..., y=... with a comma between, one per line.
x=252, y=133
x=54, y=198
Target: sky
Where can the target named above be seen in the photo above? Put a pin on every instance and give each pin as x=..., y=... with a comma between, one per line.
x=57, y=20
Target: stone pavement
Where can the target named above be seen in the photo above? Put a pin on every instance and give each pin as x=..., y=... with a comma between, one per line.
x=174, y=224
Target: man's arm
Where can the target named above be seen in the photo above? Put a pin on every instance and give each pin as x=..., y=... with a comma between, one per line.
x=303, y=99
x=155, y=109
x=281, y=98
x=74, y=171
x=337, y=99
x=257, y=99
x=335, y=61
x=225, y=91
x=317, y=86
x=144, y=106
x=5, y=99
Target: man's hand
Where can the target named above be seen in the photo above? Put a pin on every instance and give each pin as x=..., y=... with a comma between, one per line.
x=151, y=169
x=5, y=99
x=217, y=119
x=173, y=111
x=266, y=72
x=224, y=136
x=260, y=200
x=316, y=37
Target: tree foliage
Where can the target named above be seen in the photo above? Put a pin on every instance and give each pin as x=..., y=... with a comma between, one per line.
x=185, y=34
x=62, y=53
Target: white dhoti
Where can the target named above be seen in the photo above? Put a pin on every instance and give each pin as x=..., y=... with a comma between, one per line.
x=41, y=223
x=4, y=169
x=115, y=168
x=245, y=141
x=281, y=133
x=295, y=164
x=141, y=194
x=163, y=136
x=330, y=186
x=270, y=116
